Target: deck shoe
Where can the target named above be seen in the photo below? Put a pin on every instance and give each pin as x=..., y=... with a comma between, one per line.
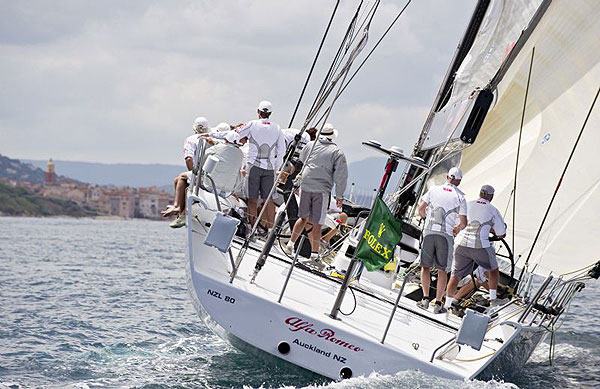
x=289, y=248
x=423, y=304
x=497, y=303
x=439, y=308
x=179, y=222
x=261, y=233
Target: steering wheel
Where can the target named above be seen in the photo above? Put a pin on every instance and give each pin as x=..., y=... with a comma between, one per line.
x=510, y=255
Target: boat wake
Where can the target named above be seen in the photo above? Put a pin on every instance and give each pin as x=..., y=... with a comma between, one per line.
x=408, y=379
x=572, y=366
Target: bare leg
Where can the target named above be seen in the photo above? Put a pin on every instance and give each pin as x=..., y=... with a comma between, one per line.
x=179, y=203
x=343, y=219
x=252, y=205
x=441, y=284
x=175, y=183
x=463, y=291
x=315, y=238
x=180, y=194
x=425, y=281
x=330, y=234
x=493, y=276
x=453, y=283
x=298, y=227
x=270, y=214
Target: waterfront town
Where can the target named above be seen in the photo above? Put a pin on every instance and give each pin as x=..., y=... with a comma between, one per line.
x=126, y=202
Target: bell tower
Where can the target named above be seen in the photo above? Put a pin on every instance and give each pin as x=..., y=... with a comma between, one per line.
x=50, y=178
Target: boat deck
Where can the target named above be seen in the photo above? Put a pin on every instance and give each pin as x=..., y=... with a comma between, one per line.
x=414, y=332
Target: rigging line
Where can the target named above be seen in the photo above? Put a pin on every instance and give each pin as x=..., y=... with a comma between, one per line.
x=287, y=158
x=314, y=63
x=336, y=59
x=507, y=205
x=562, y=176
x=514, y=191
x=369, y=17
x=363, y=17
x=376, y=44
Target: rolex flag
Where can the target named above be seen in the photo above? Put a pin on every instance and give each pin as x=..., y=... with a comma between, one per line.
x=383, y=233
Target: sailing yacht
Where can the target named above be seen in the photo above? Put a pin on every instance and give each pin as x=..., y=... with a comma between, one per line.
x=517, y=110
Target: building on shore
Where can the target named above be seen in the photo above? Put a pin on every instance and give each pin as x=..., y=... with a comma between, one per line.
x=107, y=200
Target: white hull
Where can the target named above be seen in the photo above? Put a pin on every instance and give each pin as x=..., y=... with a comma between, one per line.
x=249, y=316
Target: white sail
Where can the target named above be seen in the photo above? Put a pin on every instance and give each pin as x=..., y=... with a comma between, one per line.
x=502, y=25
x=564, y=80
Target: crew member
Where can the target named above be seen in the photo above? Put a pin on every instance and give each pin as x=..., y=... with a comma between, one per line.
x=265, y=155
x=227, y=174
x=445, y=212
x=325, y=166
x=182, y=181
x=474, y=244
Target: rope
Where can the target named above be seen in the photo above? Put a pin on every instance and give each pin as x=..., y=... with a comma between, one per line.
x=314, y=63
x=475, y=359
x=514, y=191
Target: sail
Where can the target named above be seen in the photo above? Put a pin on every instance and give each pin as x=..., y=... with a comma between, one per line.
x=501, y=26
x=565, y=78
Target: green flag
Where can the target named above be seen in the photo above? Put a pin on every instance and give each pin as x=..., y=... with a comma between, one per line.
x=383, y=233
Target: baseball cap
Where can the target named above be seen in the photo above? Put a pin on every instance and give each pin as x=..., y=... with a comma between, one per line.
x=265, y=106
x=455, y=173
x=200, y=124
x=487, y=189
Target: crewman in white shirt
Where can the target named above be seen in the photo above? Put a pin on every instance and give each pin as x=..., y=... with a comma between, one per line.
x=182, y=181
x=474, y=245
x=265, y=155
x=445, y=212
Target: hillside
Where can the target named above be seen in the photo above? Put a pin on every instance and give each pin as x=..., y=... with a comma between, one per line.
x=13, y=169
x=17, y=201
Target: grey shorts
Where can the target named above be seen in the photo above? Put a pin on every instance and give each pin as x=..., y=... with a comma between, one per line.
x=313, y=206
x=465, y=257
x=260, y=180
x=436, y=251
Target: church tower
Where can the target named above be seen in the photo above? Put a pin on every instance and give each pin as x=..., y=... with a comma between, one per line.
x=50, y=178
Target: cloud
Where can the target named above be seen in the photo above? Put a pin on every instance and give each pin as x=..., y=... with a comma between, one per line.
x=123, y=81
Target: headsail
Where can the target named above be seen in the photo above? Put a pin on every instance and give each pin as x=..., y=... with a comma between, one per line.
x=564, y=79
x=501, y=26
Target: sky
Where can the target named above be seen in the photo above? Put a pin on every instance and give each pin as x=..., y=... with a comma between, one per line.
x=123, y=81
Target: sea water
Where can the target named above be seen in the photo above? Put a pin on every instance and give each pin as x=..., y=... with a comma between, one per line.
x=87, y=303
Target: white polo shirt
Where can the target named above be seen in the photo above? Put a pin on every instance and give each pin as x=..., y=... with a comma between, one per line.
x=190, y=145
x=266, y=143
x=444, y=205
x=481, y=217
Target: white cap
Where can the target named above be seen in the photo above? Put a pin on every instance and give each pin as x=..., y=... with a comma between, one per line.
x=222, y=127
x=232, y=137
x=265, y=106
x=328, y=131
x=487, y=189
x=455, y=173
x=200, y=125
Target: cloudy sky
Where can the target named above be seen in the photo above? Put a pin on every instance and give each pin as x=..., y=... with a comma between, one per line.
x=122, y=81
